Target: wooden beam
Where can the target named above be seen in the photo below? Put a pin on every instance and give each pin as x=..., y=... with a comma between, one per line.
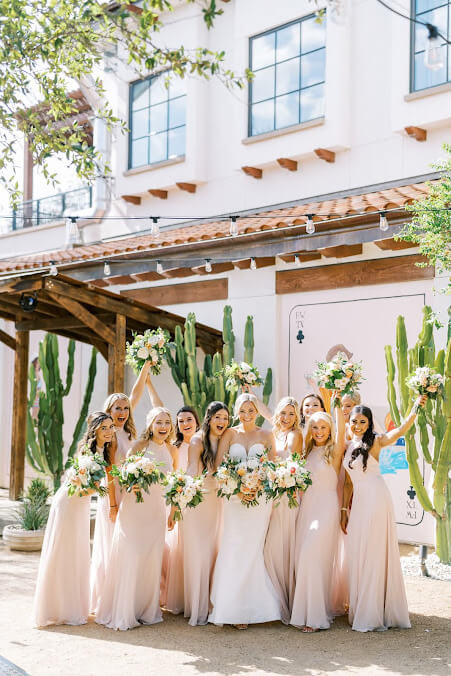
x=216, y=268
x=342, y=251
x=287, y=163
x=190, y=292
x=260, y=262
x=187, y=187
x=417, y=133
x=394, y=245
x=302, y=256
x=19, y=427
x=116, y=357
x=255, y=172
x=88, y=319
x=7, y=339
x=53, y=325
x=132, y=199
x=324, y=154
x=361, y=273
x=162, y=194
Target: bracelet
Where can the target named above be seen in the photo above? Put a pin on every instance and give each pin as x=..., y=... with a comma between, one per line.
x=113, y=506
x=344, y=509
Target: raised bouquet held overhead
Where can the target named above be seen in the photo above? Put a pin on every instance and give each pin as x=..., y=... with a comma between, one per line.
x=340, y=374
x=148, y=346
x=137, y=473
x=286, y=477
x=182, y=491
x=85, y=474
x=242, y=477
x=240, y=375
x=425, y=381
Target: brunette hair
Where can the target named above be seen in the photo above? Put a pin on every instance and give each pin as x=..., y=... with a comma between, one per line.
x=129, y=425
x=286, y=401
x=88, y=442
x=207, y=455
x=178, y=435
x=309, y=443
x=363, y=447
x=153, y=413
x=312, y=394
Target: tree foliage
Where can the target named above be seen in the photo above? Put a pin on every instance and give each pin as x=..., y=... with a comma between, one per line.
x=47, y=47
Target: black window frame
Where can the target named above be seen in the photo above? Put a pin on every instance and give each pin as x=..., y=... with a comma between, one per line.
x=299, y=20
x=164, y=73
x=413, y=14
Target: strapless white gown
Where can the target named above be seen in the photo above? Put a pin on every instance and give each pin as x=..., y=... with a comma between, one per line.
x=242, y=592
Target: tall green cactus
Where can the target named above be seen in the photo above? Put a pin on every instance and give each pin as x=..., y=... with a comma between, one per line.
x=433, y=421
x=45, y=443
x=200, y=386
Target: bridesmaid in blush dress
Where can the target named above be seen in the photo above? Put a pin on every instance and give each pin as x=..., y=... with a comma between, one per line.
x=279, y=546
x=318, y=525
x=377, y=596
x=62, y=588
x=202, y=524
x=131, y=594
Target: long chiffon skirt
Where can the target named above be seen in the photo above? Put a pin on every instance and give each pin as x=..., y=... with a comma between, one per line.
x=101, y=550
x=280, y=554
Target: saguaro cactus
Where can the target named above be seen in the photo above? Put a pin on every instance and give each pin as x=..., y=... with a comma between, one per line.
x=434, y=422
x=200, y=386
x=45, y=441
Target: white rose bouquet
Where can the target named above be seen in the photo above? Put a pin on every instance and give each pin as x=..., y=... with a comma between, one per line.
x=148, y=346
x=241, y=477
x=238, y=375
x=182, y=491
x=425, y=381
x=286, y=477
x=138, y=471
x=85, y=474
x=339, y=374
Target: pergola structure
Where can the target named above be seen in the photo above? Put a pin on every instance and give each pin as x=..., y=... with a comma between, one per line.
x=86, y=313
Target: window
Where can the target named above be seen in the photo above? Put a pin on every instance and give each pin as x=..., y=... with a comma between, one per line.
x=157, y=120
x=438, y=13
x=289, y=72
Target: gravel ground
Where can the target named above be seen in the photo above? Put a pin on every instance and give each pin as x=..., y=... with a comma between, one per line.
x=437, y=571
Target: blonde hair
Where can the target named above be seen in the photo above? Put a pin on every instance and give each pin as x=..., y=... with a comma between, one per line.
x=245, y=396
x=309, y=443
x=150, y=419
x=286, y=401
x=354, y=397
x=129, y=425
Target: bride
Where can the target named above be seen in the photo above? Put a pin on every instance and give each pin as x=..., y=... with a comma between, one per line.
x=242, y=592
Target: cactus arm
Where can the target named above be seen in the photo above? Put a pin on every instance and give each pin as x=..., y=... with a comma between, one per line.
x=416, y=478
x=79, y=427
x=208, y=365
x=391, y=393
x=424, y=436
x=70, y=367
x=267, y=387
x=174, y=369
x=228, y=336
x=402, y=364
x=186, y=395
x=444, y=456
x=249, y=341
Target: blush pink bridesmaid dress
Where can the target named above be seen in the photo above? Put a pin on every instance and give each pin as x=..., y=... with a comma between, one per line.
x=131, y=593
x=62, y=587
x=377, y=597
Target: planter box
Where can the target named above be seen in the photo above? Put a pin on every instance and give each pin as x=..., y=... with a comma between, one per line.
x=16, y=537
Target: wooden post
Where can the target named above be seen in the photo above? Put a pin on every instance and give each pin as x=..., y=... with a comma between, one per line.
x=19, y=425
x=116, y=357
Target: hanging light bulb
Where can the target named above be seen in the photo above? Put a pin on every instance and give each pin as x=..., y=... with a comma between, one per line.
x=53, y=270
x=106, y=269
x=297, y=261
x=233, y=226
x=433, y=56
x=383, y=223
x=155, y=230
x=159, y=267
x=253, y=264
x=208, y=267
x=310, y=227
x=73, y=235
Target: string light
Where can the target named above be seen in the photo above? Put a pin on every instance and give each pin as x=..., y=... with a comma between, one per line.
x=53, y=270
x=383, y=222
x=155, y=229
x=310, y=227
x=297, y=261
x=159, y=267
x=253, y=264
x=208, y=267
x=433, y=55
x=106, y=269
x=233, y=226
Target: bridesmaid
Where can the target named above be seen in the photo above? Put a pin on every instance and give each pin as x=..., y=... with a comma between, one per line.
x=318, y=525
x=131, y=595
x=279, y=546
x=62, y=588
x=242, y=591
x=202, y=525
x=311, y=403
x=377, y=595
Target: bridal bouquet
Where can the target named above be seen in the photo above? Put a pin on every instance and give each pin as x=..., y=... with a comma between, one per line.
x=241, y=374
x=242, y=477
x=286, y=477
x=148, y=346
x=140, y=471
x=425, y=381
x=339, y=374
x=182, y=491
x=85, y=474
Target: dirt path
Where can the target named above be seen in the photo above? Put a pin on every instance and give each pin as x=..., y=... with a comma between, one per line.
x=175, y=649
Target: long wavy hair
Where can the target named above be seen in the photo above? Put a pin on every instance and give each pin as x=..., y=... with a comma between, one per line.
x=363, y=447
x=301, y=408
x=153, y=413
x=129, y=425
x=330, y=443
x=89, y=440
x=178, y=434
x=283, y=403
x=207, y=455
x=245, y=396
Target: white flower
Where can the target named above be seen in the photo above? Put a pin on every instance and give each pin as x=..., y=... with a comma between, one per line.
x=251, y=377
x=245, y=368
x=142, y=353
x=154, y=340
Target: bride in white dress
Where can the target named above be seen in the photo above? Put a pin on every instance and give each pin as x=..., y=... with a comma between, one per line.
x=242, y=592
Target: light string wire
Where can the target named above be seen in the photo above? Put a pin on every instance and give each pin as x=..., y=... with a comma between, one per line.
x=414, y=20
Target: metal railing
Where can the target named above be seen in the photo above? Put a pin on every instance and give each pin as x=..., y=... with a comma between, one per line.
x=33, y=213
